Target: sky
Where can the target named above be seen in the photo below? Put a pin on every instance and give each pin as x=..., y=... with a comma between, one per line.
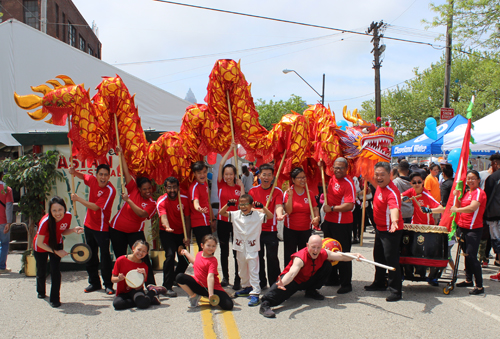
x=135, y=34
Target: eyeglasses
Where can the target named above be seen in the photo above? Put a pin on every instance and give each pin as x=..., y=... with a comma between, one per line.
x=416, y=182
x=301, y=178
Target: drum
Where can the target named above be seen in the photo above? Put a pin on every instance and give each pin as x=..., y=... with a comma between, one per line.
x=423, y=246
x=134, y=279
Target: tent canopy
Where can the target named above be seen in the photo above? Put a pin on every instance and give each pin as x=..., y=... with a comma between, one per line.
x=423, y=145
x=486, y=135
x=29, y=58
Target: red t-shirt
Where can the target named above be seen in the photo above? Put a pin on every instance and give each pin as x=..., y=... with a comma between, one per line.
x=124, y=265
x=311, y=266
x=43, y=229
x=200, y=192
x=473, y=220
x=300, y=218
x=102, y=197
x=171, y=209
x=226, y=193
x=126, y=220
x=261, y=195
x=202, y=267
x=5, y=197
x=426, y=200
x=385, y=199
x=340, y=191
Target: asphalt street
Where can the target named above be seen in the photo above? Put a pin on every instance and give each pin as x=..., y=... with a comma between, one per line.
x=424, y=312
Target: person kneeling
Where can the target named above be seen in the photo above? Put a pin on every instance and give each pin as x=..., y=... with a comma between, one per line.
x=302, y=273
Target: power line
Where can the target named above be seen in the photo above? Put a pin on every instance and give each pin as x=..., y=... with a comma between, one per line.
x=295, y=22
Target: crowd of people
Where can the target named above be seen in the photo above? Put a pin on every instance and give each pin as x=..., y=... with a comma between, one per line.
x=250, y=209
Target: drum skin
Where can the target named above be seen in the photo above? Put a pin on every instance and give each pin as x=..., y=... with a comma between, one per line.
x=424, y=248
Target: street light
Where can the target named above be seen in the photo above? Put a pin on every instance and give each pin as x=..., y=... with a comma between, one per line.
x=286, y=71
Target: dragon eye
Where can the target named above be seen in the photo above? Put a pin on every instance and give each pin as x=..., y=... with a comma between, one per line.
x=365, y=130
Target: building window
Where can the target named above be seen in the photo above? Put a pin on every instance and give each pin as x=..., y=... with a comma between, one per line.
x=57, y=20
x=63, y=25
x=82, y=44
x=71, y=34
x=90, y=50
x=31, y=13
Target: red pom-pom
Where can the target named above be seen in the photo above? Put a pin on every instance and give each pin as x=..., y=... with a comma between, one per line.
x=387, y=123
x=379, y=119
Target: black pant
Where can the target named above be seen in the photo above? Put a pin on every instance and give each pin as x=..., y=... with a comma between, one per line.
x=294, y=241
x=199, y=232
x=120, y=240
x=226, y=303
x=133, y=298
x=357, y=215
x=224, y=231
x=342, y=233
x=269, y=243
x=98, y=241
x=170, y=243
x=276, y=296
x=472, y=267
x=386, y=251
x=55, y=274
x=369, y=214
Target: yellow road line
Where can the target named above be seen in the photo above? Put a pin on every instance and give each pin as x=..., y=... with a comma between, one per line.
x=207, y=318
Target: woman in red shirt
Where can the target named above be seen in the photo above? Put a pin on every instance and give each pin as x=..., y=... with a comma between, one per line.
x=127, y=225
x=48, y=243
x=298, y=221
x=471, y=210
x=228, y=187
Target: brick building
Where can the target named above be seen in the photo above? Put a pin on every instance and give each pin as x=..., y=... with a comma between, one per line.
x=62, y=20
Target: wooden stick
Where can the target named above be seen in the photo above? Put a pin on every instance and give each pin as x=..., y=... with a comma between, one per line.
x=363, y=214
x=182, y=217
x=232, y=134
x=324, y=185
x=276, y=180
x=71, y=162
x=415, y=199
x=121, y=161
x=390, y=268
x=310, y=202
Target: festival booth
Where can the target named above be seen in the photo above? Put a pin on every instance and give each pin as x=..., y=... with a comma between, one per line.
x=485, y=134
x=29, y=57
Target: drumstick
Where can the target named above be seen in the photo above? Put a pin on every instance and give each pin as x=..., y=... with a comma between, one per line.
x=415, y=199
x=276, y=180
x=182, y=217
x=390, y=268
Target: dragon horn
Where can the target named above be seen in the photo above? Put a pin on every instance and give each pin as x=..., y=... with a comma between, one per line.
x=29, y=101
x=347, y=115
x=44, y=89
x=358, y=116
x=38, y=114
x=67, y=80
x=54, y=83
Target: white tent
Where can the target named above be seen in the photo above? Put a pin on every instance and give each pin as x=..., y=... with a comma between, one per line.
x=29, y=57
x=486, y=135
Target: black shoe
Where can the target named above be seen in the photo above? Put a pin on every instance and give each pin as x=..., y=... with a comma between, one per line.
x=110, y=291
x=314, y=294
x=224, y=282
x=92, y=288
x=266, y=310
x=344, y=290
x=237, y=286
x=55, y=304
x=41, y=296
x=394, y=297
x=465, y=284
x=175, y=283
x=477, y=291
x=375, y=287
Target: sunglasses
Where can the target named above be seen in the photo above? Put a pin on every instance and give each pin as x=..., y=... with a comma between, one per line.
x=416, y=182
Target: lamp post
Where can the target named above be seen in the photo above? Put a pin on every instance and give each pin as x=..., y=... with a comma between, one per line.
x=321, y=95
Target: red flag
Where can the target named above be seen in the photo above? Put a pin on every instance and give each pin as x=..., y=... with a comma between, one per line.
x=450, y=220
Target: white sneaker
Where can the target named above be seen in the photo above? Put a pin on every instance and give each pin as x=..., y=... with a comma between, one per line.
x=193, y=301
x=7, y=270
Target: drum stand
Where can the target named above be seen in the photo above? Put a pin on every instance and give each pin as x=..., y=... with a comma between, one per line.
x=451, y=285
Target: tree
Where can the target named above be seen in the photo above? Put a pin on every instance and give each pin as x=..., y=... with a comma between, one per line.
x=271, y=113
x=408, y=106
x=475, y=22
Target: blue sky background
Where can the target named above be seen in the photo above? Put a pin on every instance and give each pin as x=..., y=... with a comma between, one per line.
x=145, y=30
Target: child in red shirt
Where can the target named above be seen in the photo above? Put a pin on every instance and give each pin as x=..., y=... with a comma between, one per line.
x=205, y=281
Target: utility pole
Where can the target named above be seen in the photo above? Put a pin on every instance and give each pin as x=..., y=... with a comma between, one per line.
x=447, y=70
x=375, y=28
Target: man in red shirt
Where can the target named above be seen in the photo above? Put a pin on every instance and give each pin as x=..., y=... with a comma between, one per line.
x=101, y=196
x=6, y=205
x=388, y=232
x=339, y=221
x=308, y=270
x=269, y=237
x=172, y=232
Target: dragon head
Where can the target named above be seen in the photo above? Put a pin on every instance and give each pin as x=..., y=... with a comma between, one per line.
x=364, y=139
